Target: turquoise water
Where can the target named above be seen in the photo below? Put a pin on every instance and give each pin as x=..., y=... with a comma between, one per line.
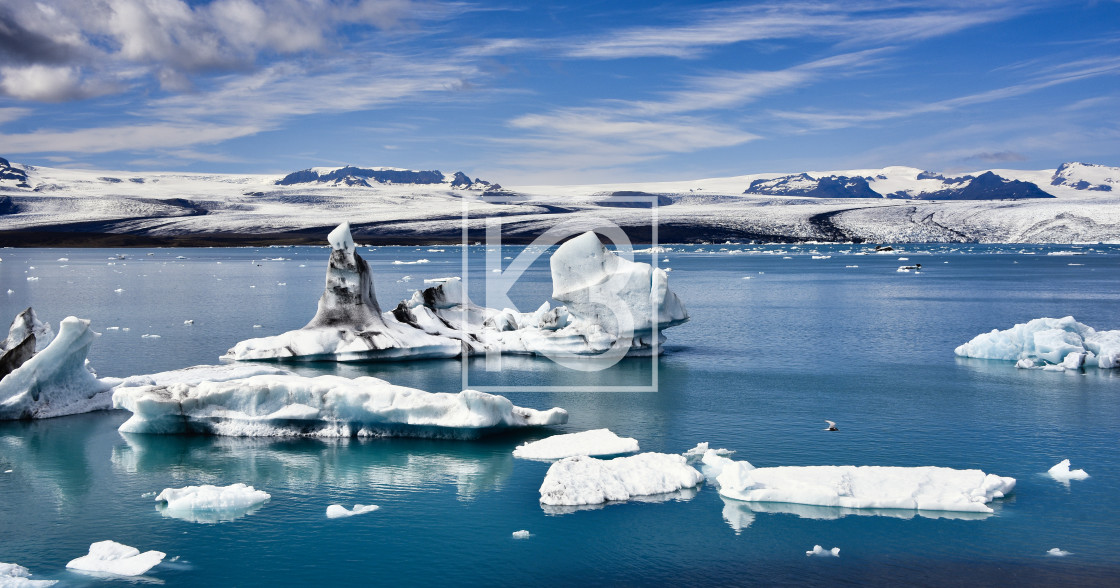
x=761, y=365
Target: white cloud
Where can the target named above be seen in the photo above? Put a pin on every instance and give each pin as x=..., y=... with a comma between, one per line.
x=11, y=113
x=43, y=83
x=122, y=138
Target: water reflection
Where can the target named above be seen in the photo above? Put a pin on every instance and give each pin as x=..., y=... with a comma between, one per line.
x=387, y=465
x=739, y=515
x=54, y=464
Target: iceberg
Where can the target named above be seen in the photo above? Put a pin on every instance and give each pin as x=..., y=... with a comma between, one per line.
x=583, y=480
x=17, y=576
x=1062, y=473
x=861, y=487
x=210, y=504
x=1057, y=552
x=56, y=381
x=596, y=442
x=324, y=406
x=820, y=551
x=522, y=534
x=1048, y=343
x=114, y=558
x=337, y=511
x=612, y=305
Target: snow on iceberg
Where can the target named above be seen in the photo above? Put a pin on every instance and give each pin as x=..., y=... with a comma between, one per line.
x=595, y=442
x=613, y=305
x=55, y=381
x=860, y=487
x=114, y=558
x=210, y=504
x=17, y=576
x=583, y=480
x=1062, y=473
x=1055, y=344
x=323, y=406
x=337, y=511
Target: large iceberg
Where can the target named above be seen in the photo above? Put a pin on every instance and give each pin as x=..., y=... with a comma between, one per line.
x=55, y=381
x=323, y=406
x=613, y=306
x=861, y=487
x=595, y=442
x=1048, y=343
x=115, y=558
x=583, y=480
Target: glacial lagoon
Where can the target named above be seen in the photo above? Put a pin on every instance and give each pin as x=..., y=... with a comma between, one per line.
x=781, y=338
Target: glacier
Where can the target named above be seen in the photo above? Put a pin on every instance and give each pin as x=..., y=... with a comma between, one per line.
x=115, y=558
x=583, y=480
x=614, y=307
x=862, y=487
x=596, y=442
x=277, y=405
x=210, y=504
x=1048, y=343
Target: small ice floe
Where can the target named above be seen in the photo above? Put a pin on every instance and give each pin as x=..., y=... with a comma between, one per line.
x=303, y=265
x=595, y=442
x=180, y=257
x=17, y=576
x=63, y=259
x=7, y=471
x=904, y=259
x=1062, y=473
x=405, y=279
x=114, y=558
x=583, y=480
x=1075, y=264
x=10, y=291
x=337, y=511
x=851, y=266
x=435, y=251
x=149, y=336
x=820, y=551
x=418, y=261
x=119, y=290
x=822, y=257
x=1056, y=552
x=281, y=283
x=746, y=277
x=908, y=268
x=258, y=326
x=210, y=504
x=188, y=322
x=522, y=534
x=702, y=449
x=32, y=278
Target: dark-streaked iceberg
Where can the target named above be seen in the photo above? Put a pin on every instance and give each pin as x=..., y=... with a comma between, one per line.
x=613, y=306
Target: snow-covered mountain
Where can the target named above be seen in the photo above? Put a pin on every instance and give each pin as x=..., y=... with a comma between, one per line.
x=42, y=206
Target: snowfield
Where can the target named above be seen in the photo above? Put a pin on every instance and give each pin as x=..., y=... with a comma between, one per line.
x=1074, y=203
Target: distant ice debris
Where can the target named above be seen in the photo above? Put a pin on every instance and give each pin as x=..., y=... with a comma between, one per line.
x=595, y=442
x=210, y=504
x=55, y=381
x=325, y=406
x=17, y=576
x=114, y=558
x=337, y=511
x=1056, y=552
x=418, y=261
x=614, y=307
x=149, y=336
x=820, y=551
x=1062, y=473
x=188, y=322
x=583, y=480
x=916, y=488
x=522, y=534
x=1048, y=343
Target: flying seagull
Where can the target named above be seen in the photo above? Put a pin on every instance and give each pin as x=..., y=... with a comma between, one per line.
x=831, y=426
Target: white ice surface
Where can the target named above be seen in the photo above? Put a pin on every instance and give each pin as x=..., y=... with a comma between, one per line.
x=55, y=381
x=882, y=487
x=114, y=558
x=337, y=511
x=1057, y=552
x=820, y=551
x=17, y=576
x=1062, y=473
x=327, y=406
x=595, y=442
x=522, y=534
x=210, y=504
x=1046, y=342
x=584, y=480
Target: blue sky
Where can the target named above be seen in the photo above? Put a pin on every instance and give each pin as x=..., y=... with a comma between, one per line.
x=523, y=92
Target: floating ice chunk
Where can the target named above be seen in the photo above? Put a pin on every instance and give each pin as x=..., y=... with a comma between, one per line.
x=920, y=488
x=1046, y=342
x=114, y=558
x=210, y=504
x=32, y=278
x=418, y=261
x=1056, y=552
x=522, y=534
x=820, y=551
x=1062, y=473
x=188, y=322
x=585, y=480
x=595, y=442
x=702, y=449
x=55, y=381
x=149, y=336
x=17, y=576
x=337, y=511
x=325, y=406
x=119, y=290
